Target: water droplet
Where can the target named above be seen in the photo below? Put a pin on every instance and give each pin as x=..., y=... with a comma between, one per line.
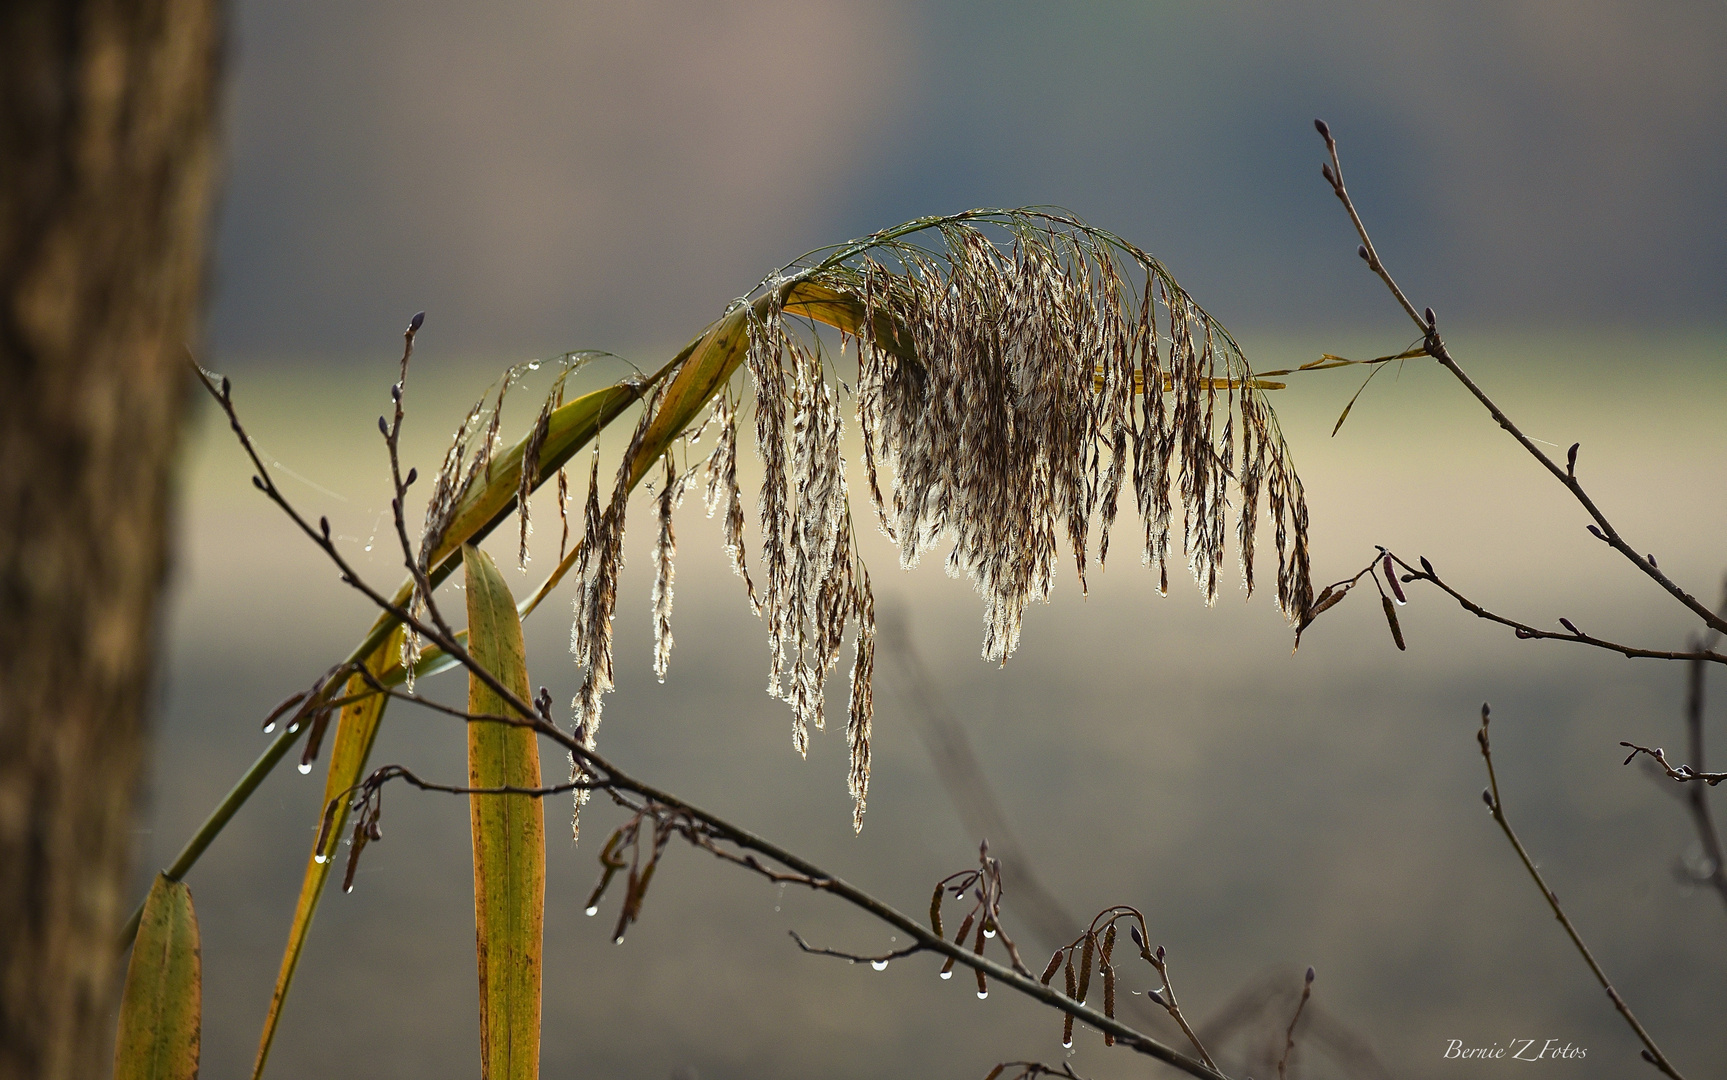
x=1067, y=1044
x=592, y=911
x=981, y=994
x=320, y=858
x=619, y=940
x=347, y=888
x=989, y=933
x=879, y=965
x=947, y=974
x=305, y=767
x=368, y=547
x=293, y=727
x=271, y=726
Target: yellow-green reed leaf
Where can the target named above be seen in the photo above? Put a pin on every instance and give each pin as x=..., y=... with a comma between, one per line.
x=1352, y=399
x=161, y=1008
x=355, y=732
x=709, y=367
x=509, y=834
x=1327, y=361
x=842, y=312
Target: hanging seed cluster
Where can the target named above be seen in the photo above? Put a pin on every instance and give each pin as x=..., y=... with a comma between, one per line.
x=1024, y=383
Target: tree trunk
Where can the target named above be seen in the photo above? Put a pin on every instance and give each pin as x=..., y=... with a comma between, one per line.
x=107, y=112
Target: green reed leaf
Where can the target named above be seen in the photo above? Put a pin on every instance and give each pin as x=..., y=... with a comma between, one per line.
x=509, y=835
x=161, y=1008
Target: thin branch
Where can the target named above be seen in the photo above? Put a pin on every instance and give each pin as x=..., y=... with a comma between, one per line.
x=1166, y=998
x=1523, y=630
x=878, y=961
x=1651, y=1052
x=1681, y=773
x=1435, y=347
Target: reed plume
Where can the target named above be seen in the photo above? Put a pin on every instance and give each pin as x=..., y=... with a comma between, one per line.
x=1016, y=370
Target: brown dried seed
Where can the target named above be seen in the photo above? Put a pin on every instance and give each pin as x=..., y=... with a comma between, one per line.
x=1109, y=1001
x=1085, y=959
x=1049, y=972
x=1391, y=620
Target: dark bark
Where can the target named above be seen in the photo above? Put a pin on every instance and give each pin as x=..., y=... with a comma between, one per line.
x=107, y=112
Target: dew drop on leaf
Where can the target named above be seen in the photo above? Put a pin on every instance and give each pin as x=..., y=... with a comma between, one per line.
x=879, y=965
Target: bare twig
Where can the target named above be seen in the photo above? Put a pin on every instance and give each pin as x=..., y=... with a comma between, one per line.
x=1435, y=347
x=1425, y=572
x=878, y=961
x=1651, y=1052
x=1166, y=998
x=1681, y=773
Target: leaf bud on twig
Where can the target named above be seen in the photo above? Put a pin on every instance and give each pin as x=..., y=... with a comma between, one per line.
x=1310, y=975
x=1571, y=626
x=1361, y=250
x=416, y=322
x=1571, y=459
x=1323, y=128
x=1432, y=320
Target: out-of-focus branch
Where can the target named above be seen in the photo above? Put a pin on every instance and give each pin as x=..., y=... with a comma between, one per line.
x=1696, y=795
x=962, y=777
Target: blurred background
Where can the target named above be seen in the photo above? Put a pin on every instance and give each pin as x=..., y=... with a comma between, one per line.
x=542, y=177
